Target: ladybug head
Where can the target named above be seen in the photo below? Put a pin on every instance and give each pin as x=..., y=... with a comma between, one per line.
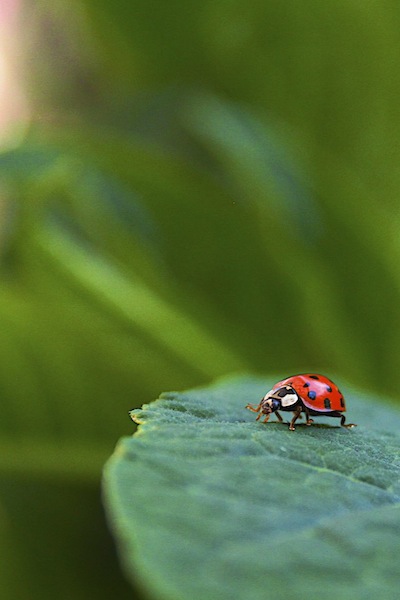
x=270, y=405
x=279, y=398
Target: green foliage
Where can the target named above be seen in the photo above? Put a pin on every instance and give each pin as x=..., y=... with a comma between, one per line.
x=207, y=503
x=205, y=188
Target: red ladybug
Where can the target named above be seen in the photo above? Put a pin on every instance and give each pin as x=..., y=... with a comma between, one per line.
x=316, y=395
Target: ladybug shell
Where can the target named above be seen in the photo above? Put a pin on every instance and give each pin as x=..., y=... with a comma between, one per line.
x=316, y=392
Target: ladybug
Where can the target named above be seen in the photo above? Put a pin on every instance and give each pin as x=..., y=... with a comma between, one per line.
x=316, y=395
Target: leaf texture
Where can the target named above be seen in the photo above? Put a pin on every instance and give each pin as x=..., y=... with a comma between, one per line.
x=207, y=503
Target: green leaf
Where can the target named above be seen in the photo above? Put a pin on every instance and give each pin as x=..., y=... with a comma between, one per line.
x=208, y=503
x=138, y=305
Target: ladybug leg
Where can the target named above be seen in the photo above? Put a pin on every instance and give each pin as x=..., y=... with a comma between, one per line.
x=266, y=417
x=253, y=408
x=296, y=416
x=346, y=425
x=279, y=417
x=309, y=420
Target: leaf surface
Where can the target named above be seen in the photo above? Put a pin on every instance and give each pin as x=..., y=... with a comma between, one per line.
x=208, y=503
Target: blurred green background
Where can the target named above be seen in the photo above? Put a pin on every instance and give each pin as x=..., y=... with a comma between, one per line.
x=187, y=189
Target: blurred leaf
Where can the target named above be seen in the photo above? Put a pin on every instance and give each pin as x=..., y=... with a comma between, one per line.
x=86, y=266
x=286, y=218
x=205, y=502
x=56, y=543
x=136, y=304
x=255, y=161
x=228, y=222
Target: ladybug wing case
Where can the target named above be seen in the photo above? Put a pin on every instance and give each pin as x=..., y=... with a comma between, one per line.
x=316, y=392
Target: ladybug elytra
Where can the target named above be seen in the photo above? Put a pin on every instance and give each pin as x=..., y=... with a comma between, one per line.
x=315, y=395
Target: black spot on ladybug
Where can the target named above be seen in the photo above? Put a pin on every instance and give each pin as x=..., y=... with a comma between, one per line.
x=342, y=402
x=327, y=403
x=328, y=387
x=306, y=385
x=312, y=395
x=314, y=377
